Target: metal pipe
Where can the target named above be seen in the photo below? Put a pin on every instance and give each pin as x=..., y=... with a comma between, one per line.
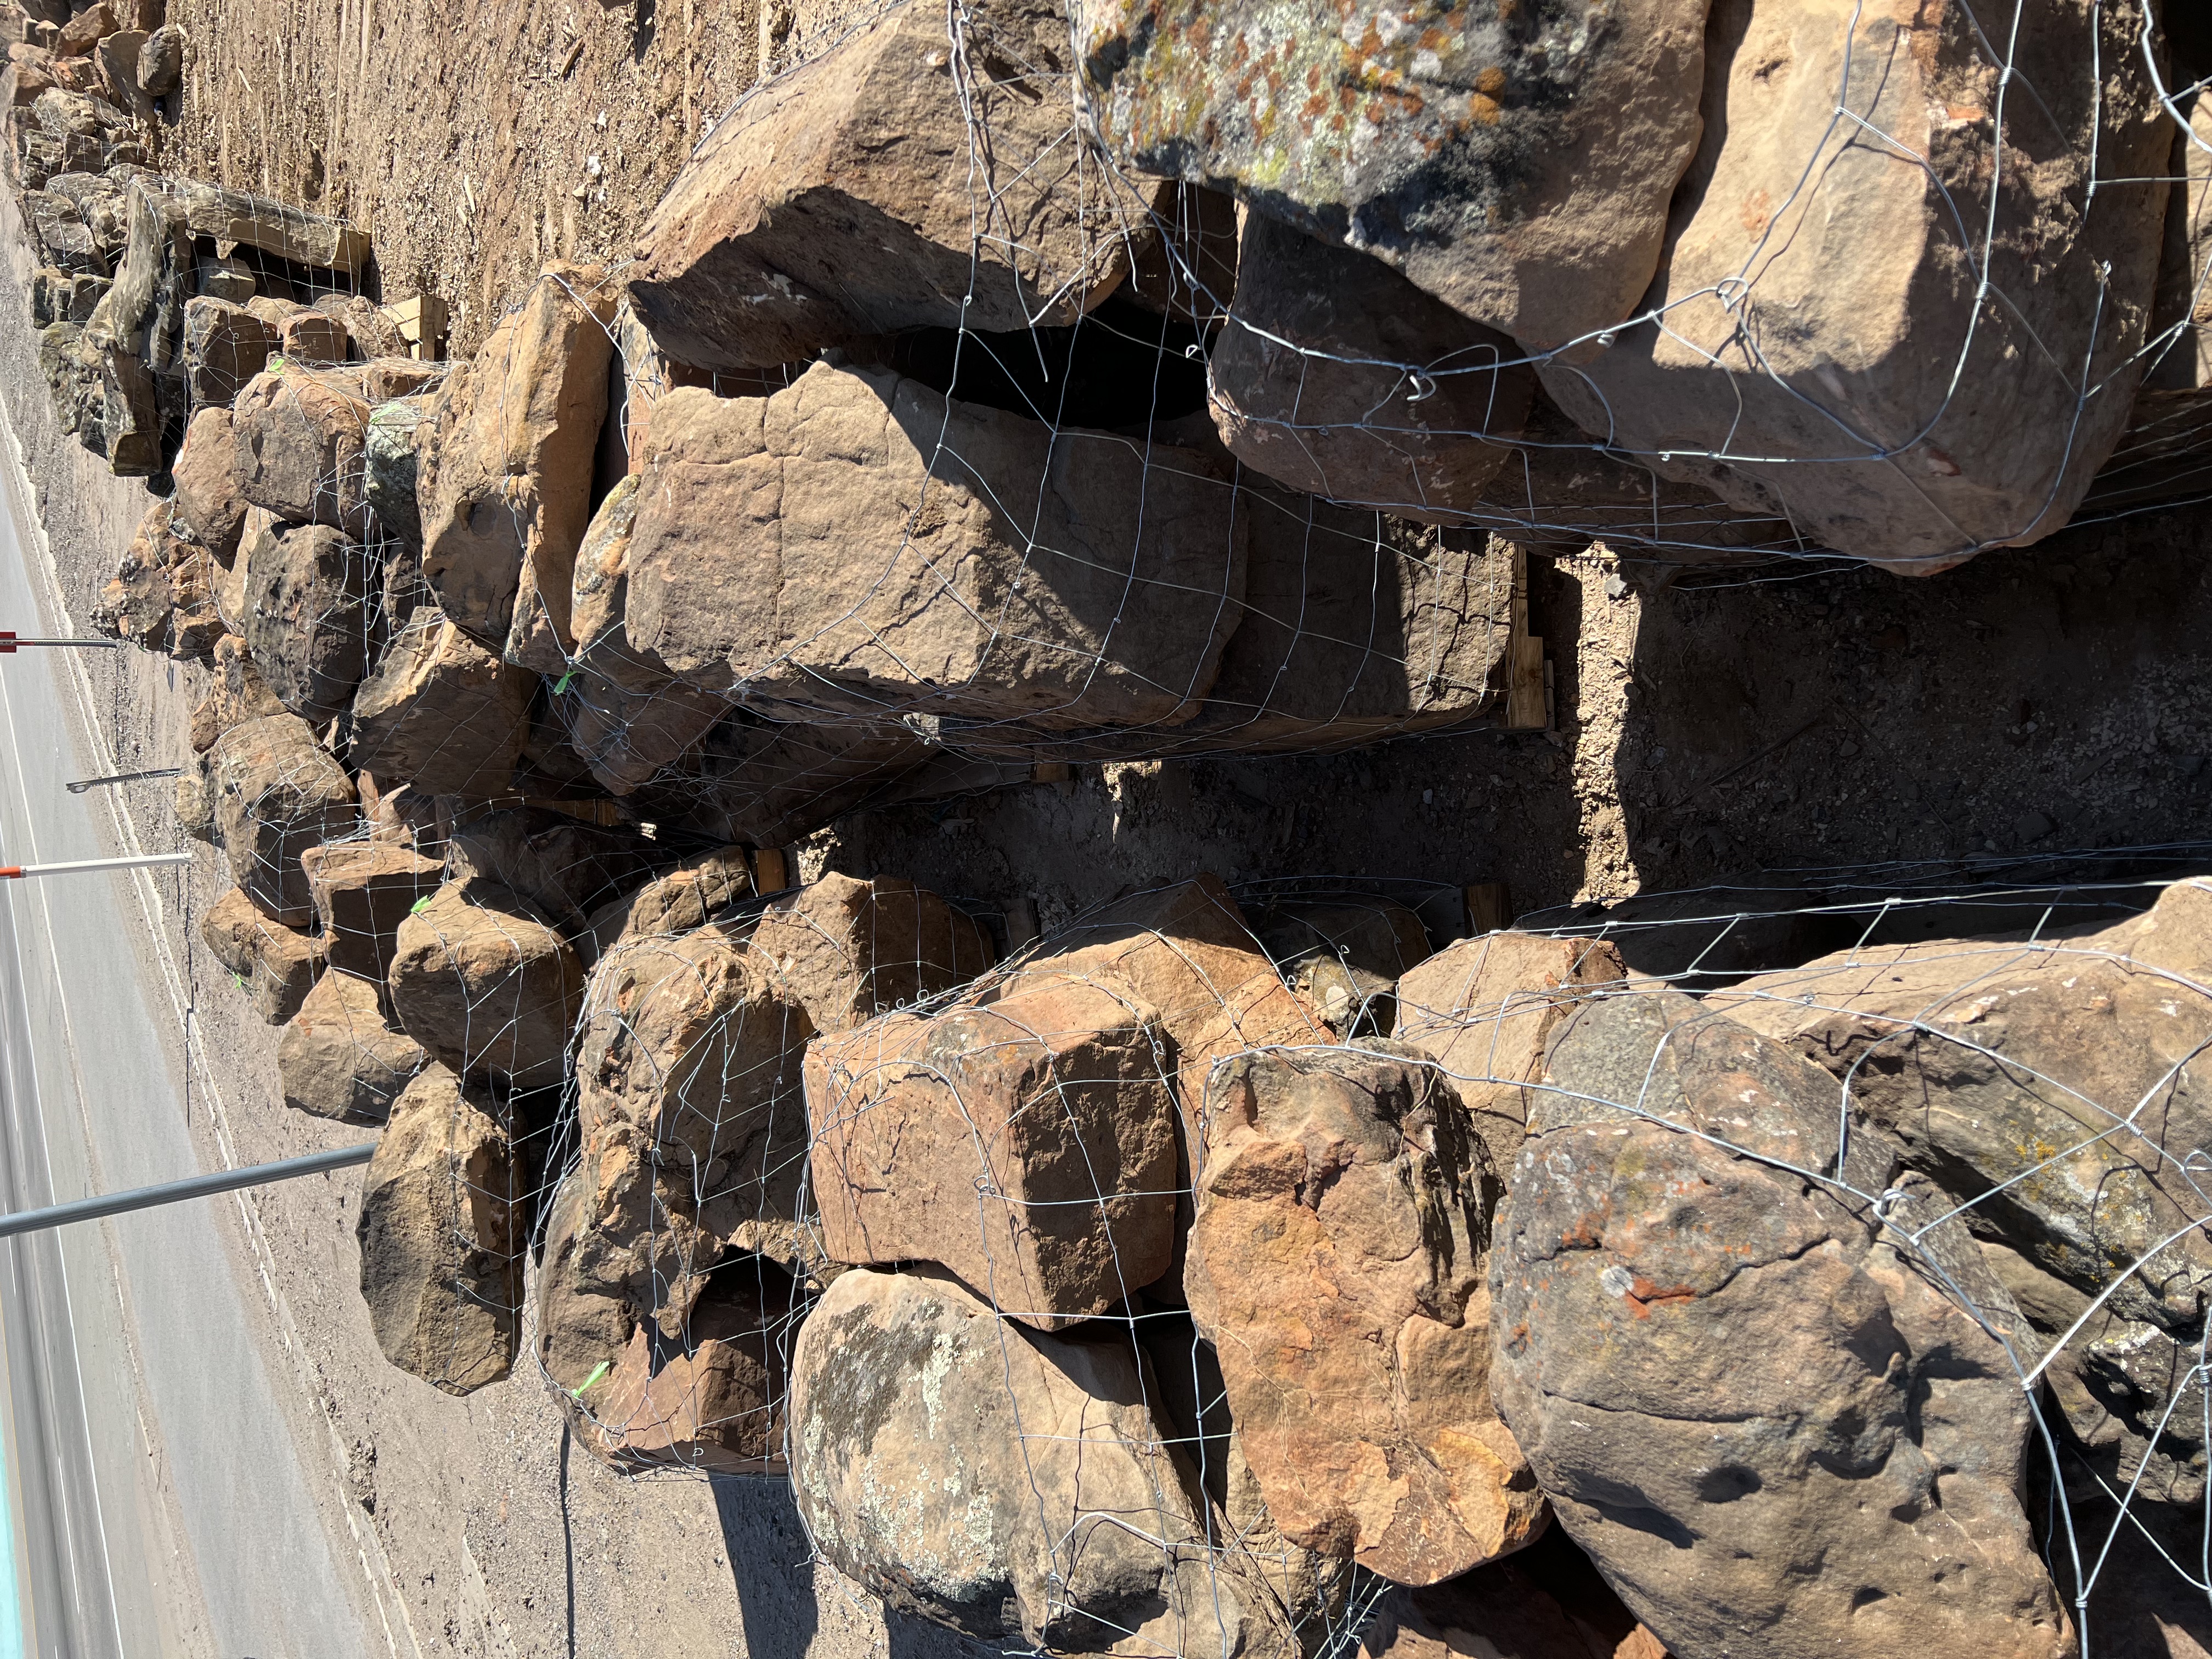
x=172, y=1192
x=9, y=643
x=17, y=871
x=84, y=784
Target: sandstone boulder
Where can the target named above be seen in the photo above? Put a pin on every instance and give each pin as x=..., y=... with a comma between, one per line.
x=207, y=495
x=506, y=480
x=307, y=616
x=441, y=711
x=362, y=891
x=389, y=461
x=161, y=597
x=1826, y=300
x=276, y=792
x=1022, y=1493
x=443, y=1229
x=686, y=898
x=1643, y=1254
x=486, y=984
x=1335, y=1265
x=565, y=867
x=1338, y=377
x=131, y=418
x=309, y=337
x=877, y=549
x=64, y=239
x=235, y=693
x=299, y=441
x=161, y=61
x=796, y=226
x=338, y=1059
x=277, y=966
x=1028, y=1148
x=225, y=347
x=85, y=30
x=1517, y=171
x=848, y=949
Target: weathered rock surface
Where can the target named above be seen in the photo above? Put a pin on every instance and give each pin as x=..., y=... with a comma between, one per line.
x=299, y=440
x=688, y=897
x=1851, y=1492
x=277, y=966
x=1824, y=297
x=307, y=616
x=840, y=201
x=1335, y=1265
x=339, y=1060
x=362, y=891
x=162, y=596
x=225, y=346
x=1516, y=166
x=506, y=480
x=131, y=417
x=443, y=1229
x=235, y=693
x=278, y=793
x=390, y=460
x=487, y=985
x=207, y=495
x=1058, y=1102
x=1023, y=1494
x=161, y=61
x=847, y=949
x=310, y=338
x=1485, y=1010
x=441, y=712
x=859, y=545
x=1546, y=1601
x=565, y=867
x=1344, y=956
x=1340, y=377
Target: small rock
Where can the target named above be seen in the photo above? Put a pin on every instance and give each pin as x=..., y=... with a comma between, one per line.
x=362, y=891
x=277, y=965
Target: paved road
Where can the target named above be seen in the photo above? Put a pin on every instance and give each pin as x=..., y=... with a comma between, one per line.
x=92, y=1103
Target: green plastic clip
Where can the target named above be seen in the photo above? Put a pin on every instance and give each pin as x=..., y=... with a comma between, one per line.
x=597, y=1371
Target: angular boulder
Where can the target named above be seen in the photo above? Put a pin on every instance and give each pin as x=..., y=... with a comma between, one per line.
x=1644, y=1249
x=505, y=479
x=688, y=897
x=848, y=949
x=235, y=693
x=389, y=461
x=307, y=616
x=299, y=437
x=1335, y=1265
x=276, y=792
x=877, y=549
x=565, y=867
x=130, y=422
x=339, y=1060
x=362, y=891
x=277, y=966
x=225, y=346
x=309, y=337
x=441, y=712
x=1028, y=1148
x=161, y=61
x=443, y=1230
x=1826, y=300
x=1517, y=166
x=486, y=984
x=207, y=495
x=795, y=226
x=161, y=597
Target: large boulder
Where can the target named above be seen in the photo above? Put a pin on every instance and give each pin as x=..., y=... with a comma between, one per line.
x=693, y=894
x=225, y=346
x=339, y=1060
x=1336, y=1267
x=1516, y=166
x=484, y=982
x=860, y=544
x=206, y=476
x=278, y=967
x=1780, y=1422
x=1888, y=343
x=1337, y=376
x=803, y=222
x=64, y=239
x=1010, y=1484
x=307, y=616
x=1028, y=1148
x=278, y=793
x=130, y=422
x=299, y=437
x=161, y=61
x=362, y=891
x=444, y=1226
x=441, y=712
x=235, y=693
x=390, y=460
x=848, y=949
x=161, y=597
x=506, y=480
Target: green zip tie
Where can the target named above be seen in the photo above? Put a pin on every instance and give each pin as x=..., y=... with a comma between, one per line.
x=562, y=686
x=599, y=1371
x=420, y=904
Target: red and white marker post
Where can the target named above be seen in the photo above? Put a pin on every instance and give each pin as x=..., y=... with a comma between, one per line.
x=145, y=861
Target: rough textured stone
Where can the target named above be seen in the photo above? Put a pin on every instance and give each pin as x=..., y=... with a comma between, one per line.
x=307, y=616
x=309, y=337
x=1515, y=165
x=161, y=61
x=235, y=693
x=161, y=597
x=225, y=347
x=441, y=711
x=847, y=949
x=64, y=239
x=506, y=480
x=298, y=437
x=487, y=985
x=131, y=417
x=1335, y=1267
x=1338, y=377
x=566, y=867
x=277, y=793
x=1640, y=1256
x=1344, y=955
x=338, y=1059
x=1485, y=1010
x=688, y=896
x=1548, y=1601
x=389, y=459
x=443, y=1230
x=1022, y=1493
x=840, y=200
x=362, y=891
x=772, y=781
x=277, y=966
x=876, y=549
x=85, y=30
x=207, y=495
x=1057, y=1102
x=1825, y=298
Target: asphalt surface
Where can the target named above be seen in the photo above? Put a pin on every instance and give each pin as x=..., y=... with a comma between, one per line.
x=137, y=1343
